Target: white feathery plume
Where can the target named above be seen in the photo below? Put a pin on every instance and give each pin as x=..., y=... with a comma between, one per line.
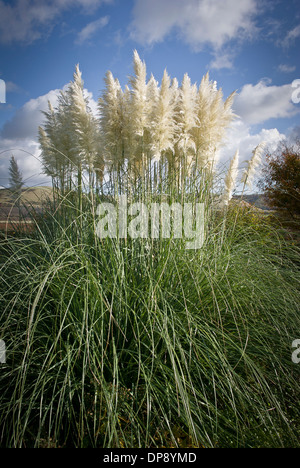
x=77, y=91
x=50, y=130
x=163, y=124
x=249, y=172
x=175, y=91
x=111, y=119
x=140, y=108
x=175, y=102
x=48, y=156
x=152, y=98
x=214, y=117
x=126, y=122
x=56, y=140
x=202, y=133
x=139, y=102
x=187, y=115
x=230, y=179
x=85, y=125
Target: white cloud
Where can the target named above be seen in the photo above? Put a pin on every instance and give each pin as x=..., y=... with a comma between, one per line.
x=91, y=28
x=221, y=61
x=27, y=119
x=287, y=68
x=291, y=36
x=27, y=20
x=199, y=22
x=240, y=136
x=12, y=87
x=258, y=103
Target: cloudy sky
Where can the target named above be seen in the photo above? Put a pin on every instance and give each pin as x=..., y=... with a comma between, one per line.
x=251, y=46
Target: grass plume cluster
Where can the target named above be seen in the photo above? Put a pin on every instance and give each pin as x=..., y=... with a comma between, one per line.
x=142, y=134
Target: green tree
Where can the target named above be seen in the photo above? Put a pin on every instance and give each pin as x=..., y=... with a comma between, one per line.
x=281, y=179
x=15, y=178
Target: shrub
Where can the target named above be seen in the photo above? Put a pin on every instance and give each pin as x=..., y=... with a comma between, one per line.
x=281, y=182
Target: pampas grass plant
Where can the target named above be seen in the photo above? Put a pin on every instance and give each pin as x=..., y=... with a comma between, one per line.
x=141, y=343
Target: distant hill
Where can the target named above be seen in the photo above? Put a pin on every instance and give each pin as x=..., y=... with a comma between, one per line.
x=12, y=215
x=36, y=195
x=31, y=196
x=255, y=199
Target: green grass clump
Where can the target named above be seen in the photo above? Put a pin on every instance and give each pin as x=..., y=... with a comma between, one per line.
x=142, y=343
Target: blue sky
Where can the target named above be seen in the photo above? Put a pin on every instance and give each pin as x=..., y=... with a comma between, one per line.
x=251, y=46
